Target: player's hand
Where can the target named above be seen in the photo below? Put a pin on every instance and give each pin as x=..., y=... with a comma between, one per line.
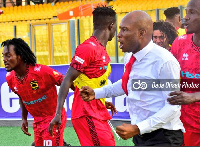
x=181, y=98
x=126, y=131
x=87, y=93
x=110, y=106
x=24, y=127
x=55, y=121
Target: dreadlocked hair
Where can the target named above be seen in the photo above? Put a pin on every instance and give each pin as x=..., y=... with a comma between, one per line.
x=103, y=16
x=22, y=49
x=171, y=12
x=167, y=28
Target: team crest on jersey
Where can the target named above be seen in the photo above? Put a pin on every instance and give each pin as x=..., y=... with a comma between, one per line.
x=34, y=84
x=56, y=74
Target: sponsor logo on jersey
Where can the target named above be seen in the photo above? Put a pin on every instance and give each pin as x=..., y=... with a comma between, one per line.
x=35, y=101
x=34, y=84
x=37, y=68
x=185, y=56
x=190, y=75
x=182, y=37
x=78, y=59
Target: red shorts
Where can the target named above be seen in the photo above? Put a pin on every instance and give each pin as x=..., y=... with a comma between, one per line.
x=93, y=132
x=42, y=136
x=191, y=139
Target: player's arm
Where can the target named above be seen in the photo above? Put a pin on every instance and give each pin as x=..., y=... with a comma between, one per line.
x=72, y=87
x=107, y=91
x=183, y=98
x=70, y=76
x=24, y=113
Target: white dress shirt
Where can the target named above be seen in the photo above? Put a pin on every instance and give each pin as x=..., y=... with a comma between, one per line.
x=149, y=110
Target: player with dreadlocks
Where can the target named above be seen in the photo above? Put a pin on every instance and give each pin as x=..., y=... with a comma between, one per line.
x=35, y=86
x=164, y=34
x=90, y=66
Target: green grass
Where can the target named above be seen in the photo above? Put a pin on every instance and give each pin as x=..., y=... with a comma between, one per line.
x=13, y=136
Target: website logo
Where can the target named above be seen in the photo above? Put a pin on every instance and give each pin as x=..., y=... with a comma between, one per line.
x=165, y=84
x=139, y=85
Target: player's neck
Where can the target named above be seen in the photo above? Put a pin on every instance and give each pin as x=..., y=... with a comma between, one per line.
x=196, y=39
x=21, y=71
x=101, y=36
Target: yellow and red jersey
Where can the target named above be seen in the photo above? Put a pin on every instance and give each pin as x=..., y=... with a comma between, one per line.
x=92, y=60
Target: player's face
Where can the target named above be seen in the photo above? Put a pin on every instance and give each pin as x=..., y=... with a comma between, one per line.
x=128, y=36
x=10, y=58
x=192, y=18
x=160, y=38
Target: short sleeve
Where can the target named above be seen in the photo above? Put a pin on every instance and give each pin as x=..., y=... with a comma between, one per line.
x=55, y=76
x=83, y=56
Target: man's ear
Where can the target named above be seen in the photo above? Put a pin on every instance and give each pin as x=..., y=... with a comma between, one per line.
x=110, y=26
x=19, y=58
x=179, y=18
x=142, y=33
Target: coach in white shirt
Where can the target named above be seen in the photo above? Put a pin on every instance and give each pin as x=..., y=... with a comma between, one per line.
x=153, y=120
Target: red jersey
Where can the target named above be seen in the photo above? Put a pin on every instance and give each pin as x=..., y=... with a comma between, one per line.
x=37, y=90
x=91, y=58
x=188, y=56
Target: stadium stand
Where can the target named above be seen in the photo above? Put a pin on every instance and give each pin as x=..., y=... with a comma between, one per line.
x=49, y=37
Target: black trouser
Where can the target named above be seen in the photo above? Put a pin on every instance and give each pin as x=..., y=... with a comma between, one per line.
x=160, y=137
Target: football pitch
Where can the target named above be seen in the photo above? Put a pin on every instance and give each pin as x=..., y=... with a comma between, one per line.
x=13, y=136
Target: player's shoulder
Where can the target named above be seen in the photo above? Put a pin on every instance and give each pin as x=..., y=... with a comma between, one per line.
x=89, y=44
x=183, y=38
x=10, y=76
x=39, y=69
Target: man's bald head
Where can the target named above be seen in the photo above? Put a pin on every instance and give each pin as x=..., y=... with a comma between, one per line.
x=141, y=20
x=139, y=27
